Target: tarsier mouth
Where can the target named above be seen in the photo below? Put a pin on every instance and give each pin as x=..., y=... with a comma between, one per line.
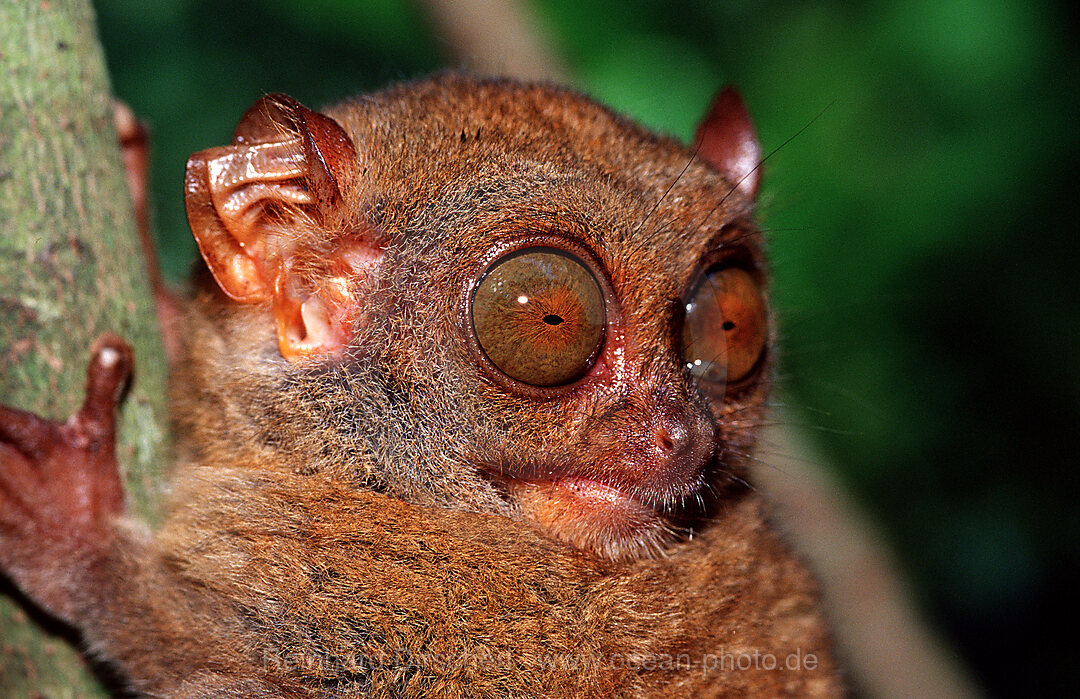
x=610, y=517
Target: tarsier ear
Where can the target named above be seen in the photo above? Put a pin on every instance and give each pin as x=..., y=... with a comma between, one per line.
x=726, y=140
x=263, y=209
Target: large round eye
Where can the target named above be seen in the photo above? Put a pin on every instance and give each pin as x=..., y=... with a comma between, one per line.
x=726, y=326
x=538, y=314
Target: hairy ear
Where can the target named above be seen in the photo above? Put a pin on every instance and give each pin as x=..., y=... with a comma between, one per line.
x=726, y=140
x=266, y=212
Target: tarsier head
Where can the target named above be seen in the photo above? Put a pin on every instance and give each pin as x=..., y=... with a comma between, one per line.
x=486, y=296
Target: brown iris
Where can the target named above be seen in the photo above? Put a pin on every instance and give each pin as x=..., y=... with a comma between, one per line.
x=538, y=314
x=726, y=326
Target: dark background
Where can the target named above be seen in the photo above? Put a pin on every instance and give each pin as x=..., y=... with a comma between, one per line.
x=923, y=229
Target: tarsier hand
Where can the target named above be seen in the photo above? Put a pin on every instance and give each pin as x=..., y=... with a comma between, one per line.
x=59, y=483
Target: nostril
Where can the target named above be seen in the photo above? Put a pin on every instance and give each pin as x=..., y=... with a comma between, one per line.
x=664, y=441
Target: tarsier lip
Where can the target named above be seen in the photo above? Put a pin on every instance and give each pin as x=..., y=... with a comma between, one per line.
x=593, y=516
x=616, y=517
x=591, y=499
x=659, y=490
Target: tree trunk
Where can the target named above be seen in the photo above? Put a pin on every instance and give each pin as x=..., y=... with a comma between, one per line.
x=71, y=268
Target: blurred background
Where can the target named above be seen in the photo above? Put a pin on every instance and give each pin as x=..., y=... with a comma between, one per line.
x=923, y=226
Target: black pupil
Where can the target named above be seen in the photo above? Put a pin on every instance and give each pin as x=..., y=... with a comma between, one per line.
x=728, y=325
x=552, y=319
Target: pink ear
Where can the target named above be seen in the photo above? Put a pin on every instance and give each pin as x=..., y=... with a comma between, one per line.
x=726, y=140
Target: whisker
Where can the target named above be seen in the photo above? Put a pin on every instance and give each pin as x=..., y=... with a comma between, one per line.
x=667, y=191
x=761, y=162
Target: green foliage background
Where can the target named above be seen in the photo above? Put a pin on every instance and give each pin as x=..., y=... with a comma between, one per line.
x=923, y=230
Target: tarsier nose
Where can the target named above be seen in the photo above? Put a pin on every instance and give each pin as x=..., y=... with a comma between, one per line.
x=682, y=436
x=665, y=441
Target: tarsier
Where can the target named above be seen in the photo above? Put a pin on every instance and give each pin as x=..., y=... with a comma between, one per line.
x=470, y=383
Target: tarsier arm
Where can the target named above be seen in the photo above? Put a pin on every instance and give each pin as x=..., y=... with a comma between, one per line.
x=295, y=562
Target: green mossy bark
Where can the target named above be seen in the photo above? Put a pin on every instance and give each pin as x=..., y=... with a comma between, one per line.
x=70, y=269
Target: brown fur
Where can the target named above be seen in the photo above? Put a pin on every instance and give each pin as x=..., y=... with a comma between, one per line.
x=339, y=528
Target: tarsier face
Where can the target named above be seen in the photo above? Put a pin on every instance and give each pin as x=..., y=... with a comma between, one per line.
x=527, y=305
x=634, y=392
